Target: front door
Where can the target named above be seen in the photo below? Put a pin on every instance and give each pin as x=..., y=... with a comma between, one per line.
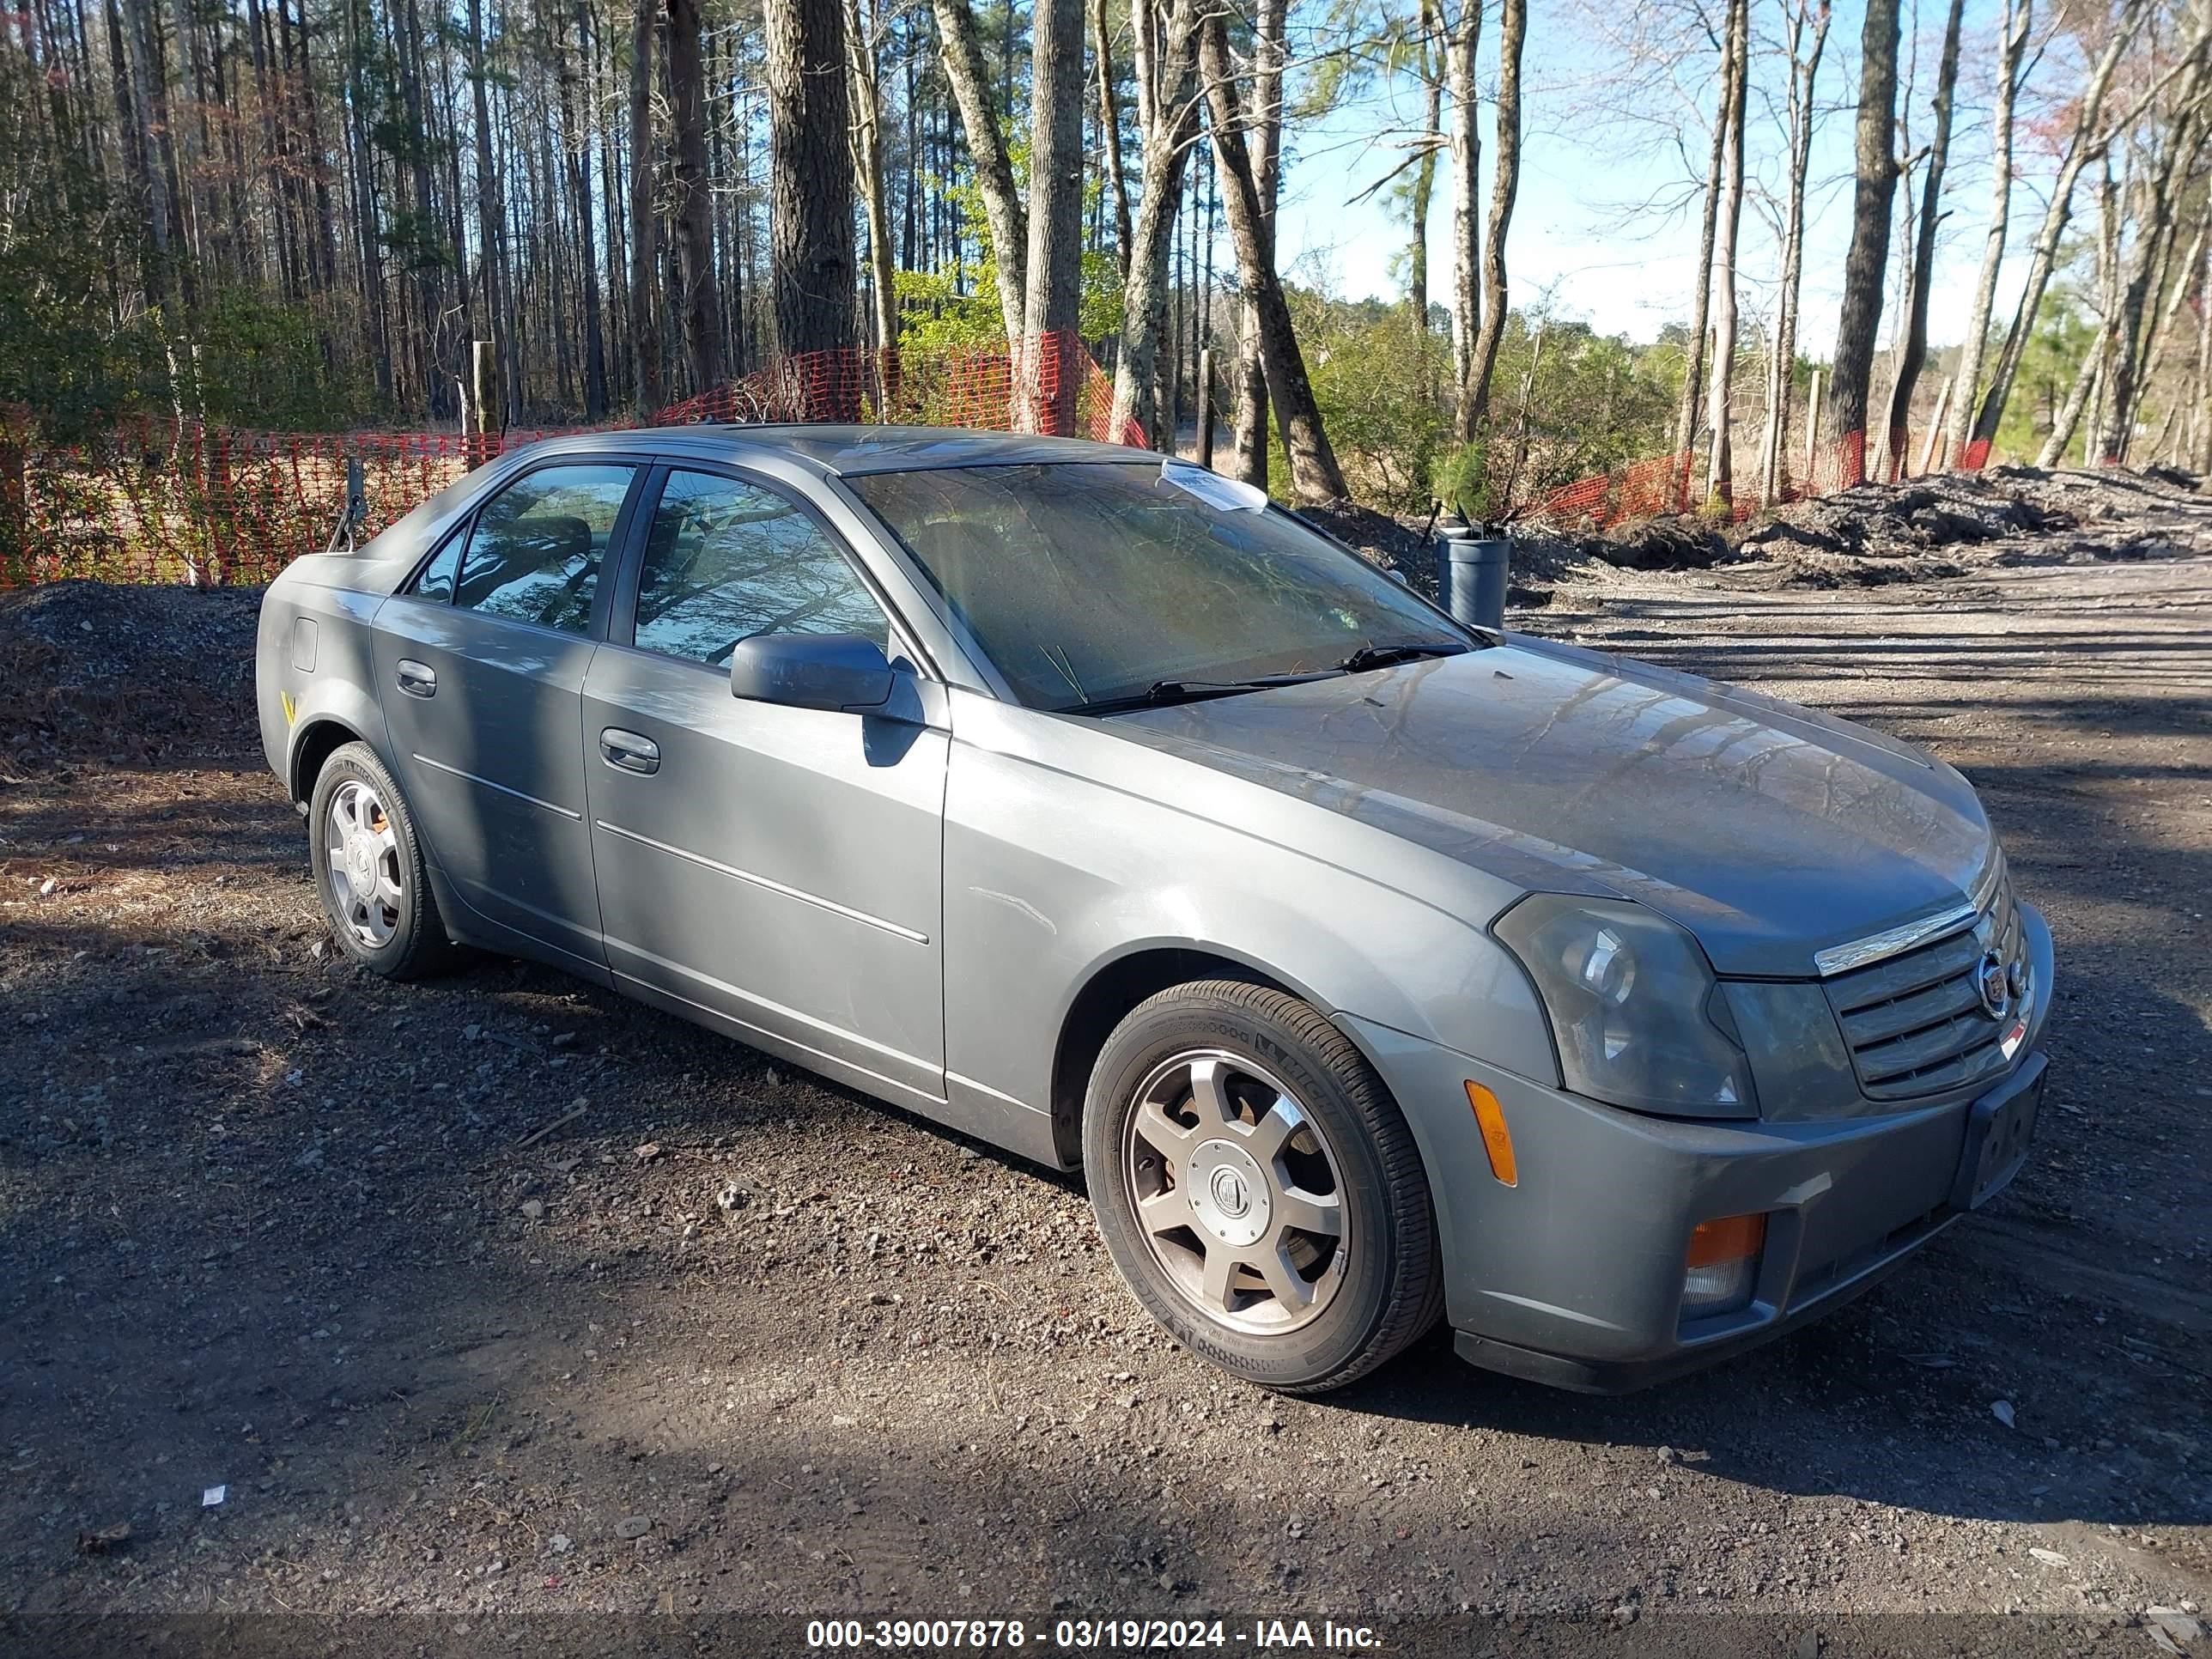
x=480, y=666
x=777, y=868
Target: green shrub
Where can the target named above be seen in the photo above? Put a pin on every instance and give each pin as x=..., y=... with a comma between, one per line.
x=1460, y=480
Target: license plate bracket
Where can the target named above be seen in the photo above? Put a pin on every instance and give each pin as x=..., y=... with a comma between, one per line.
x=2000, y=1127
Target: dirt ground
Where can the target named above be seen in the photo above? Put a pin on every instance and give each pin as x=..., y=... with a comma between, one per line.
x=500, y=1294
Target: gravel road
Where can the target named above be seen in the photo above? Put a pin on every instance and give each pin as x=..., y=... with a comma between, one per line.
x=500, y=1294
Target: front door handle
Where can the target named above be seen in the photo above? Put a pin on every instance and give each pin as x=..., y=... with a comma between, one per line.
x=629, y=752
x=417, y=679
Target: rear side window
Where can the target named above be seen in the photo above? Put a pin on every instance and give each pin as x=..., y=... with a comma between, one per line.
x=434, y=581
x=727, y=560
x=535, y=552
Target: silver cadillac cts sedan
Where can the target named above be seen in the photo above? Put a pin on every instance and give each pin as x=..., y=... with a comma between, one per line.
x=1370, y=968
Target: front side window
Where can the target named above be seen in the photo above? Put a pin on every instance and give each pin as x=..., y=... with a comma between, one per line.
x=726, y=560
x=1092, y=582
x=535, y=552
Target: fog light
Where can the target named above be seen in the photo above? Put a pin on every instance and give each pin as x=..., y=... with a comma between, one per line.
x=1724, y=1264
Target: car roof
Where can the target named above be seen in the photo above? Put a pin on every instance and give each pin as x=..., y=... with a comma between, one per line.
x=852, y=451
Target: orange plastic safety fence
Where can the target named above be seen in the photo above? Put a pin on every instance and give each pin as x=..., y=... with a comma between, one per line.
x=156, y=502
x=1670, y=484
x=1673, y=484
x=150, y=502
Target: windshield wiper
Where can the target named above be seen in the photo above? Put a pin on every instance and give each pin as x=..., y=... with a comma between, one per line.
x=1162, y=693
x=1382, y=656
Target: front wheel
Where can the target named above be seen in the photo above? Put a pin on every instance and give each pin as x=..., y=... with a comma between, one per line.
x=1258, y=1189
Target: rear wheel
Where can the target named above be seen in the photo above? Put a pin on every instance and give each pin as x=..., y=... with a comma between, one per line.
x=369, y=868
x=1258, y=1189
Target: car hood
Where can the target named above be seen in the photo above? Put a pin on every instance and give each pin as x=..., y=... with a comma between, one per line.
x=1769, y=830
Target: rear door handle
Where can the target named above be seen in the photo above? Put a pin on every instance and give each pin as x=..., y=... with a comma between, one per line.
x=629, y=752
x=417, y=679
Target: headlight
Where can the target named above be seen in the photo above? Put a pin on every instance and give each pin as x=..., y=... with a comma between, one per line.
x=1637, y=1011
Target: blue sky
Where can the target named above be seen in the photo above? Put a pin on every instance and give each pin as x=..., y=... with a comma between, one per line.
x=1576, y=232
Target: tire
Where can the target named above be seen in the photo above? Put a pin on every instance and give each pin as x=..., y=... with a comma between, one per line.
x=369, y=868
x=1305, y=1135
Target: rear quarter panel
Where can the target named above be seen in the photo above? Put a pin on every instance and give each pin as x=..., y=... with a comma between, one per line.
x=338, y=682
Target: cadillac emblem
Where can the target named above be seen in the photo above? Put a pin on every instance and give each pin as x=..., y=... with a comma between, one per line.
x=1994, y=981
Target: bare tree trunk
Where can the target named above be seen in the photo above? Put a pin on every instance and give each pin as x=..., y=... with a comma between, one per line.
x=1701, y=299
x=2087, y=391
x=1466, y=150
x=491, y=225
x=149, y=78
x=695, y=214
x=2011, y=53
x=1315, y=475
x=1165, y=59
x=1782, y=360
x=437, y=366
x=2177, y=293
x=576, y=141
x=970, y=80
x=369, y=241
x=1270, y=18
x=1109, y=134
x=1869, y=255
x=644, y=229
x=1424, y=170
x=326, y=250
x=2200, y=387
x=131, y=137
x=811, y=273
x=866, y=140
x=1720, y=471
x=1044, y=365
x=2087, y=143
x=2088, y=383
x=2153, y=251
x=1505, y=180
x=1913, y=355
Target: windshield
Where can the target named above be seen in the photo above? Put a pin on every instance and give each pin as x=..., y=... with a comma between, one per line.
x=1092, y=582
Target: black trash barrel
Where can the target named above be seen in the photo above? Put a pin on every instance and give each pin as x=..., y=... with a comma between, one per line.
x=1471, y=576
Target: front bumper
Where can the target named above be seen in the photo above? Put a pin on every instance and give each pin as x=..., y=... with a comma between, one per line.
x=1574, y=1276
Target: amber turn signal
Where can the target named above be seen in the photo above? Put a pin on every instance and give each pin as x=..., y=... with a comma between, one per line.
x=1731, y=1238
x=1496, y=1139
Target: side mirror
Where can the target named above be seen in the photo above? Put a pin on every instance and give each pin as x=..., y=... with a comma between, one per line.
x=843, y=672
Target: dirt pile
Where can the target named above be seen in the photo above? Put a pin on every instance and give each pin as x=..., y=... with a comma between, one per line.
x=1900, y=520
x=1677, y=542
x=1924, y=530
x=125, y=671
x=2011, y=515
x=1398, y=547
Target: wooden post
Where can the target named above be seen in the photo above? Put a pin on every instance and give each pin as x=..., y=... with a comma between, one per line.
x=484, y=376
x=1206, y=406
x=1812, y=430
x=1935, y=428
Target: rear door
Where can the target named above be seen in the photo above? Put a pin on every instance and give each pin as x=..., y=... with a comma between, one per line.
x=777, y=868
x=480, y=668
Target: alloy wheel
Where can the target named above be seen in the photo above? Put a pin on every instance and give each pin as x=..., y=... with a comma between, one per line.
x=1237, y=1192
x=361, y=850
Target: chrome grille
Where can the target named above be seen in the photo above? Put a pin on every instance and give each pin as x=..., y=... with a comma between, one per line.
x=1914, y=1022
